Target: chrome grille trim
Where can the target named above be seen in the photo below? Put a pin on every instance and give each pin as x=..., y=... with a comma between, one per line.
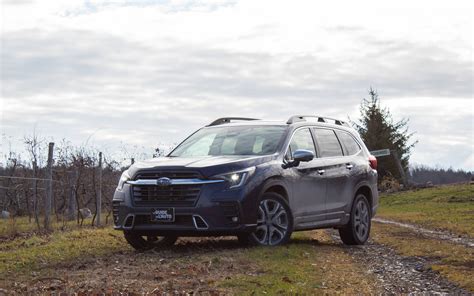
x=174, y=182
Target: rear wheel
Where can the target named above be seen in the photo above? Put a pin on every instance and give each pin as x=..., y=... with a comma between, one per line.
x=274, y=222
x=147, y=242
x=357, y=231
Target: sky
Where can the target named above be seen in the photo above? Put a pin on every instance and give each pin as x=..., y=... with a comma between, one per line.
x=122, y=74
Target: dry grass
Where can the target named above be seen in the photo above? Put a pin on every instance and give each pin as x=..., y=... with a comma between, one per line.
x=99, y=260
x=444, y=207
x=313, y=264
x=22, y=226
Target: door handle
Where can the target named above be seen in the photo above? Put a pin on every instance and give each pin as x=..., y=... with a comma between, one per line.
x=321, y=172
x=349, y=166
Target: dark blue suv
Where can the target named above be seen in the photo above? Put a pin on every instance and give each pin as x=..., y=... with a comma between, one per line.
x=257, y=180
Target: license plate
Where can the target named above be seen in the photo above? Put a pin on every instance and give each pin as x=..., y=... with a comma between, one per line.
x=163, y=215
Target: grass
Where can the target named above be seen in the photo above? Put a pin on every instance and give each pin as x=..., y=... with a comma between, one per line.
x=38, y=252
x=455, y=262
x=9, y=228
x=311, y=264
x=448, y=207
x=308, y=266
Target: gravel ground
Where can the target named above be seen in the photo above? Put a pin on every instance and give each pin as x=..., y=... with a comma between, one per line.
x=441, y=235
x=398, y=274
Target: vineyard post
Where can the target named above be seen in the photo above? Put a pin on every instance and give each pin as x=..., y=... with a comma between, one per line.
x=99, y=194
x=49, y=188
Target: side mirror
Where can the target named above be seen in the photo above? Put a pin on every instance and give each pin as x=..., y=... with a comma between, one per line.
x=299, y=156
x=303, y=155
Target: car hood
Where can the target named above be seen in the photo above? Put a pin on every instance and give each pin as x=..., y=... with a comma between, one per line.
x=207, y=166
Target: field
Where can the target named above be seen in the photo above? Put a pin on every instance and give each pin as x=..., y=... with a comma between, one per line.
x=445, y=207
x=433, y=255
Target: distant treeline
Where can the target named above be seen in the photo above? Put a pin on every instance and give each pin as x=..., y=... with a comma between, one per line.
x=424, y=174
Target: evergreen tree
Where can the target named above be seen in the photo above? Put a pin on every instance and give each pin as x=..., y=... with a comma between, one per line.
x=379, y=131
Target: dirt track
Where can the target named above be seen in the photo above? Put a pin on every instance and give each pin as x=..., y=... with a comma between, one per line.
x=397, y=274
x=154, y=271
x=440, y=235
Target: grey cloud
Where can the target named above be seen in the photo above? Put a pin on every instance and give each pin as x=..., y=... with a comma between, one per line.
x=16, y=2
x=166, y=5
x=81, y=80
x=35, y=62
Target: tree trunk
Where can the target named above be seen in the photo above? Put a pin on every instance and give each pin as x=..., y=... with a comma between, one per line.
x=72, y=204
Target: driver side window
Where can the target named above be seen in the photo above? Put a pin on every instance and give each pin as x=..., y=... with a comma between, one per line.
x=302, y=139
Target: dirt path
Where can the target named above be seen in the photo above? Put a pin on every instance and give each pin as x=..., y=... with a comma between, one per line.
x=190, y=268
x=441, y=235
x=398, y=274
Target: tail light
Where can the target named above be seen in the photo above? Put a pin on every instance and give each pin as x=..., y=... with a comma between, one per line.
x=373, y=162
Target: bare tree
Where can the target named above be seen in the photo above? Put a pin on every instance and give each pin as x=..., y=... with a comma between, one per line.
x=78, y=184
x=34, y=147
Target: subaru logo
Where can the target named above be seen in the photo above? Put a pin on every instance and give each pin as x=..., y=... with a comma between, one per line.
x=163, y=181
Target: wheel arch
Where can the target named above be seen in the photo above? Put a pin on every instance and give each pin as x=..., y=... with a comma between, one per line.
x=276, y=185
x=364, y=189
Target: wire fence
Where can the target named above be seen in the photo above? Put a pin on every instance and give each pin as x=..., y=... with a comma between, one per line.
x=80, y=183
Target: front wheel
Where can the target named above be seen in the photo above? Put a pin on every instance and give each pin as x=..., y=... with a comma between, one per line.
x=274, y=222
x=357, y=231
x=142, y=243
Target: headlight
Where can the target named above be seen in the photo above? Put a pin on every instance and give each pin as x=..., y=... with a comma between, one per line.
x=124, y=178
x=236, y=179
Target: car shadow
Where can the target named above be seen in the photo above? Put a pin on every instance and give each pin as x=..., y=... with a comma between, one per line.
x=211, y=245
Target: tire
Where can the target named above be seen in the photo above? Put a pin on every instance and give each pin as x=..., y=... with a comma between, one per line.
x=357, y=231
x=274, y=222
x=143, y=243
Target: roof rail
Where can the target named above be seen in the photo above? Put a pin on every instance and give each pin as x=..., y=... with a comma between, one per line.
x=297, y=118
x=228, y=120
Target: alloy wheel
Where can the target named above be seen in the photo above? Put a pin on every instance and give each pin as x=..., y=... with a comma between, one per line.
x=361, y=220
x=272, y=223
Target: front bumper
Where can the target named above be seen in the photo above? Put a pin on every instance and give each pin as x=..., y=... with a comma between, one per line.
x=218, y=211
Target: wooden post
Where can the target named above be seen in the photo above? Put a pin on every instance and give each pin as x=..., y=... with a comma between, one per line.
x=49, y=188
x=35, y=194
x=400, y=167
x=71, y=209
x=99, y=194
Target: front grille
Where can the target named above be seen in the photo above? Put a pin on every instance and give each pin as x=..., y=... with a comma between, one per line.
x=174, y=195
x=168, y=174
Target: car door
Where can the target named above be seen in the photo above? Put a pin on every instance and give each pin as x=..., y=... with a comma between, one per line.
x=336, y=172
x=355, y=163
x=307, y=181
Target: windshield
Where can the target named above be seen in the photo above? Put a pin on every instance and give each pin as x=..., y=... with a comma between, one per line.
x=231, y=140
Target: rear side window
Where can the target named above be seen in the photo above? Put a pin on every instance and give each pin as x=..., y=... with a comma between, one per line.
x=328, y=143
x=301, y=139
x=348, y=141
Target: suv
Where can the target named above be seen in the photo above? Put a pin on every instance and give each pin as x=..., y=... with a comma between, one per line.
x=257, y=180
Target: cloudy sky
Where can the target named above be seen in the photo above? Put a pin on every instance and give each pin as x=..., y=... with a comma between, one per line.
x=149, y=72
